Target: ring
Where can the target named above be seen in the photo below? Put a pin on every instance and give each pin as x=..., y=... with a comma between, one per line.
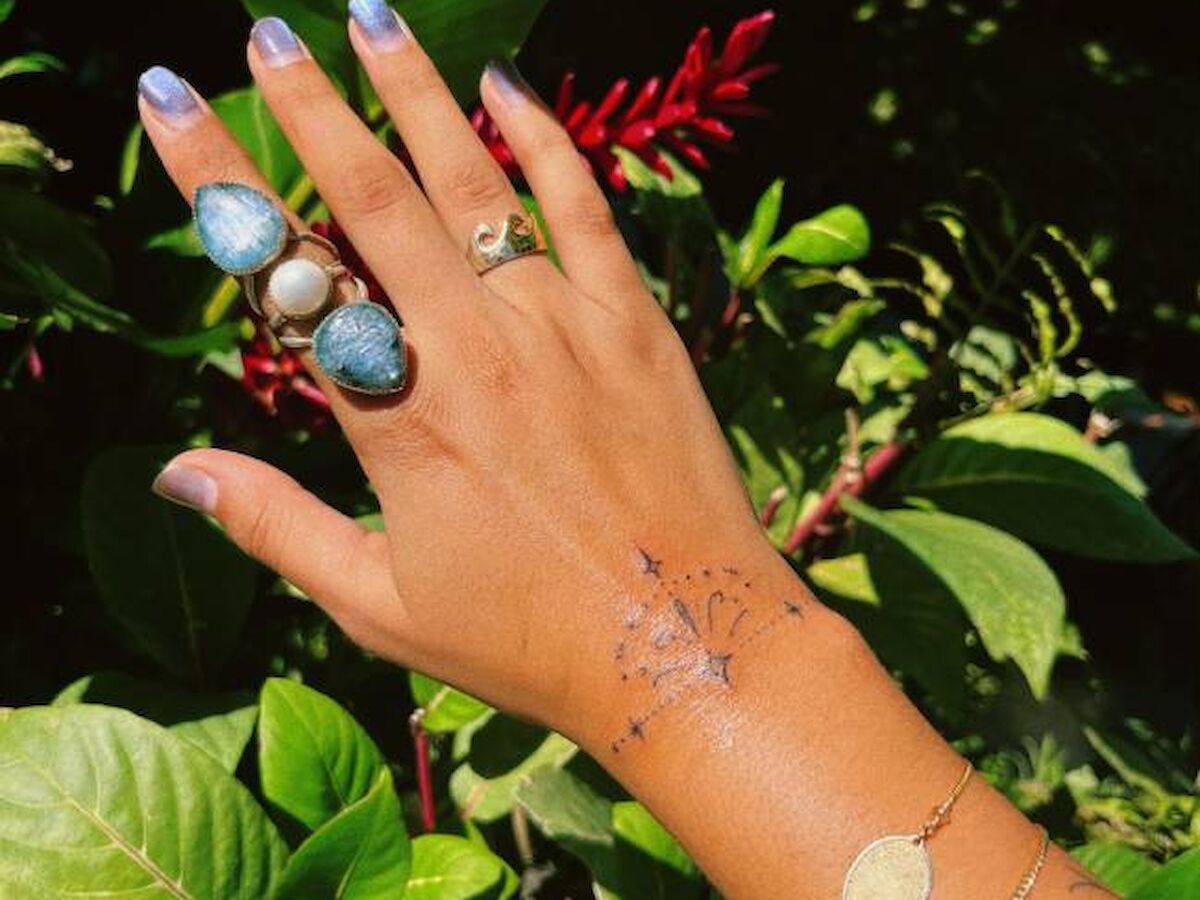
x=359, y=344
x=518, y=236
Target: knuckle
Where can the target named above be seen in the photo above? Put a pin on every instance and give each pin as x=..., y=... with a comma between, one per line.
x=491, y=365
x=551, y=141
x=474, y=184
x=589, y=215
x=372, y=186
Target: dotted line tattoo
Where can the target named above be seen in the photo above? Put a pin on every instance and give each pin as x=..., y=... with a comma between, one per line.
x=688, y=635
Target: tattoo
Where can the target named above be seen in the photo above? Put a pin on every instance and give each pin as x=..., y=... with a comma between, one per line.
x=688, y=635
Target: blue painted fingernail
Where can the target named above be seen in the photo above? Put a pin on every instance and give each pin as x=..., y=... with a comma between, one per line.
x=276, y=43
x=167, y=93
x=507, y=77
x=380, y=24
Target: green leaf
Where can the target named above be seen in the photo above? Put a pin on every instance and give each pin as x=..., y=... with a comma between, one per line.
x=6, y=8
x=903, y=611
x=753, y=245
x=1118, y=866
x=42, y=231
x=764, y=437
x=362, y=853
x=845, y=576
x=169, y=576
x=484, y=789
x=95, y=801
x=1038, y=478
x=446, y=867
x=314, y=758
x=837, y=235
x=1176, y=880
x=219, y=724
x=20, y=148
x=629, y=854
x=446, y=709
x=1007, y=590
x=30, y=64
x=563, y=806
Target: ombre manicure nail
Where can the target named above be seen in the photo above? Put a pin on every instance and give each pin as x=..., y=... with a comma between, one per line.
x=276, y=43
x=187, y=486
x=167, y=93
x=380, y=24
x=508, y=79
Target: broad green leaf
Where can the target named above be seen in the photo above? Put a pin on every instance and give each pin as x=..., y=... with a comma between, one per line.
x=837, y=235
x=1118, y=866
x=219, y=724
x=1177, y=880
x=1038, y=478
x=179, y=587
x=631, y=856
x=646, y=863
x=484, y=792
x=314, y=758
x=903, y=610
x=1007, y=590
x=845, y=576
x=753, y=245
x=362, y=853
x=563, y=806
x=446, y=709
x=97, y=802
x=30, y=64
x=6, y=8
x=764, y=437
x=446, y=867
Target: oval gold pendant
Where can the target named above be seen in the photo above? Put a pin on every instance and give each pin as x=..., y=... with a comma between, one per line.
x=891, y=868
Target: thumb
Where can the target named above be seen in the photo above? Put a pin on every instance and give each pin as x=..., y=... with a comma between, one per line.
x=329, y=556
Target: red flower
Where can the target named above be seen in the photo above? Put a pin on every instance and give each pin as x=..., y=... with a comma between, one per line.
x=691, y=111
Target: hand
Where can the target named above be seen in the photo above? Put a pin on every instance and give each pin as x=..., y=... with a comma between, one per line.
x=554, y=446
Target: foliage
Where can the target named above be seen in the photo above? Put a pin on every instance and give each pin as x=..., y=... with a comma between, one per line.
x=918, y=424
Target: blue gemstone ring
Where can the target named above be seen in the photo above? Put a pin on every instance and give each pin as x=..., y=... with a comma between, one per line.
x=517, y=236
x=358, y=344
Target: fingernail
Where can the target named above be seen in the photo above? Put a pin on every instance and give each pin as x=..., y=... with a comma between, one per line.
x=379, y=23
x=276, y=43
x=505, y=75
x=187, y=486
x=167, y=93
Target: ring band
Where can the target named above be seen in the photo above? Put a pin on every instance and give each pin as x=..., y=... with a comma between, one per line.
x=518, y=236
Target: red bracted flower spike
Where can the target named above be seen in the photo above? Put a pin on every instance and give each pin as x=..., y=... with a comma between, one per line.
x=705, y=90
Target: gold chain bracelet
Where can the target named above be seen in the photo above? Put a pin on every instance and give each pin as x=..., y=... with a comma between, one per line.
x=898, y=867
x=1030, y=878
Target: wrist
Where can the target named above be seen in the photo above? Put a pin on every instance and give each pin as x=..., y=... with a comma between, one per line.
x=693, y=643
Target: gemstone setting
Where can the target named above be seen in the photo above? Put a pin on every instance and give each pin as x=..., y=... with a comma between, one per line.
x=360, y=346
x=299, y=287
x=242, y=230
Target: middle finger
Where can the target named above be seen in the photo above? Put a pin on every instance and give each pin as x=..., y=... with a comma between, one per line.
x=365, y=186
x=464, y=183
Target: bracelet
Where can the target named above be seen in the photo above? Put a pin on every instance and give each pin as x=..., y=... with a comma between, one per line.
x=1030, y=878
x=898, y=867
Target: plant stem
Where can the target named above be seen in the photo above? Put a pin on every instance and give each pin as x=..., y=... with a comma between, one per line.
x=850, y=479
x=424, y=776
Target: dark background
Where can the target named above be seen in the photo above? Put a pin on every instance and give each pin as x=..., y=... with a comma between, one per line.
x=1087, y=113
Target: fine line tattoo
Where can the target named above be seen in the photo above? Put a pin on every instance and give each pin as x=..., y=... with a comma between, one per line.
x=688, y=633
